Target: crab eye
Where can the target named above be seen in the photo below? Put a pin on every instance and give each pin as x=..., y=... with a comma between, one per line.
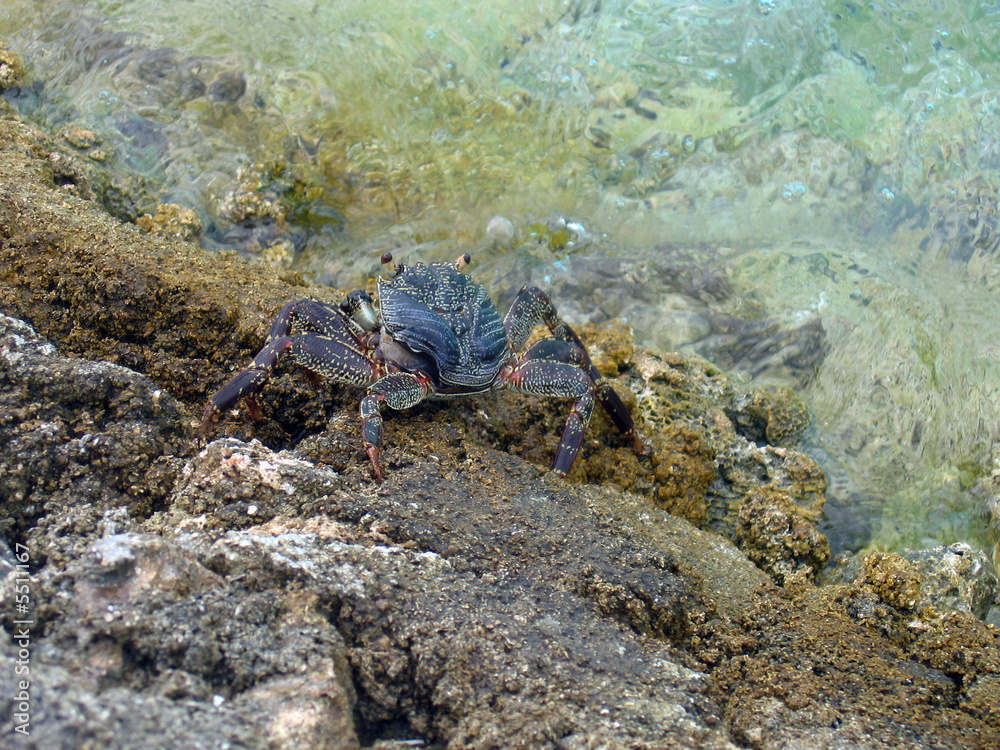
x=389, y=266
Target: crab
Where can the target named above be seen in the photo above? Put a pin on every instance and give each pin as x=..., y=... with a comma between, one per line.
x=434, y=333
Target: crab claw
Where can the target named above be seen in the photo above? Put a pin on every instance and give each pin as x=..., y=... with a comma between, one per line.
x=462, y=261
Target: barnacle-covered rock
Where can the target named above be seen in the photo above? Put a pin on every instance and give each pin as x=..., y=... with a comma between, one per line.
x=174, y=221
x=78, y=439
x=12, y=73
x=684, y=469
x=781, y=537
x=741, y=427
x=956, y=578
x=891, y=578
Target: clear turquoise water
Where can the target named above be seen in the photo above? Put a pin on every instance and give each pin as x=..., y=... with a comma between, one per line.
x=790, y=163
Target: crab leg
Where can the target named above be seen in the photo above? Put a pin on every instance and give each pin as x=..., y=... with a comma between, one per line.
x=333, y=353
x=397, y=390
x=317, y=317
x=247, y=383
x=532, y=306
x=551, y=368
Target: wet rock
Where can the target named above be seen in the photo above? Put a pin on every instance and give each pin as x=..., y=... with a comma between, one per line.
x=781, y=537
x=269, y=241
x=116, y=293
x=218, y=485
x=686, y=397
x=671, y=303
x=144, y=135
x=961, y=219
x=927, y=623
x=684, y=468
x=422, y=635
x=613, y=346
x=958, y=645
x=171, y=110
x=790, y=692
x=767, y=349
x=238, y=484
x=228, y=87
x=883, y=594
x=12, y=73
x=166, y=73
x=771, y=414
x=81, y=138
x=162, y=76
x=168, y=648
x=249, y=199
x=958, y=577
x=173, y=221
x=892, y=578
x=258, y=206
x=464, y=650
x=500, y=232
x=77, y=439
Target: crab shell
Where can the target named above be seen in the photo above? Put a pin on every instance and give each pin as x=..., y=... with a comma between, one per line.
x=438, y=312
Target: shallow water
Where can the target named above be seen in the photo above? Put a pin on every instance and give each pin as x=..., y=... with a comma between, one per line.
x=805, y=192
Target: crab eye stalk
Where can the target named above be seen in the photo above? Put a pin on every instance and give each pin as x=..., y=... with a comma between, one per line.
x=360, y=307
x=389, y=267
x=462, y=261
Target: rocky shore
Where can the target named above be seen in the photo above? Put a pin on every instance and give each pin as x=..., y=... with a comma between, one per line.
x=262, y=591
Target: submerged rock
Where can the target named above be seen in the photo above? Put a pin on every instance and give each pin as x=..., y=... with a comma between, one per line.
x=957, y=578
x=171, y=220
x=12, y=71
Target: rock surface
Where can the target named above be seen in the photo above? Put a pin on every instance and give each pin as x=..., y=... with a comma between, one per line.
x=265, y=593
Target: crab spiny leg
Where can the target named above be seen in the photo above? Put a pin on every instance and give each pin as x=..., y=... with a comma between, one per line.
x=340, y=360
x=398, y=390
x=532, y=306
x=309, y=315
x=572, y=437
x=246, y=383
x=556, y=376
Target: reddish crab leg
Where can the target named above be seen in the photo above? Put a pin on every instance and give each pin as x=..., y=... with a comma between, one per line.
x=398, y=390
